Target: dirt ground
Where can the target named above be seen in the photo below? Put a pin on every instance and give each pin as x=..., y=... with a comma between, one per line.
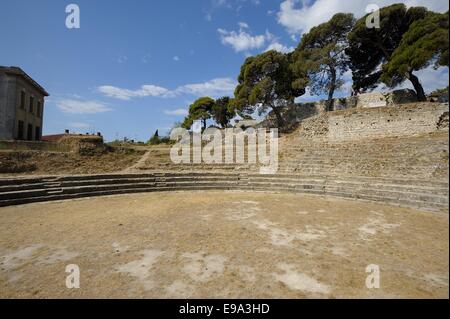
x=53, y=163
x=222, y=245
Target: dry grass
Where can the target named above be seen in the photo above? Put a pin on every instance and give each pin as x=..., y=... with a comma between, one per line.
x=54, y=163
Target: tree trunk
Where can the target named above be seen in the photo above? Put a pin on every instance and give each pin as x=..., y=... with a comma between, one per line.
x=417, y=87
x=330, y=101
x=280, y=120
x=204, y=124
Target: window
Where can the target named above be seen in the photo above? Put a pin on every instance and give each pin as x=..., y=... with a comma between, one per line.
x=20, y=130
x=31, y=104
x=38, y=109
x=22, y=100
x=37, y=133
x=30, y=132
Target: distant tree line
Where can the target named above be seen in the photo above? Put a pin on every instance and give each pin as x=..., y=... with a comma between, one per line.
x=407, y=40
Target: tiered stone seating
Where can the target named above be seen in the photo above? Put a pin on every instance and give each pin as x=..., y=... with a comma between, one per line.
x=410, y=170
x=424, y=156
x=159, y=160
x=425, y=195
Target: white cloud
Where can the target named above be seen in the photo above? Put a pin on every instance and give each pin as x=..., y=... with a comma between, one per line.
x=125, y=94
x=346, y=88
x=81, y=107
x=122, y=59
x=177, y=112
x=279, y=47
x=299, y=16
x=241, y=41
x=243, y=25
x=176, y=58
x=214, y=88
x=235, y=5
x=232, y=4
x=146, y=58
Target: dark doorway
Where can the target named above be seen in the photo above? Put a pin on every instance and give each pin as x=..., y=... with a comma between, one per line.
x=37, y=133
x=20, y=130
x=30, y=132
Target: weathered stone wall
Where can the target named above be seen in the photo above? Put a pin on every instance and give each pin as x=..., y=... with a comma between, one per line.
x=17, y=145
x=443, y=121
x=375, y=99
x=355, y=124
x=378, y=99
x=29, y=118
x=7, y=107
x=296, y=113
x=11, y=87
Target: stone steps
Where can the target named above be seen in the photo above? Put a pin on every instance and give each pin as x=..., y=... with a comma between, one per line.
x=360, y=161
x=391, y=200
x=432, y=196
x=421, y=157
x=353, y=178
x=330, y=170
x=39, y=182
x=424, y=193
x=216, y=182
x=335, y=158
x=364, y=172
x=203, y=166
x=346, y=166
x=350, y=184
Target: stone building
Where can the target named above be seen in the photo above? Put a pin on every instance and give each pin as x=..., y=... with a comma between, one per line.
x=21, y=105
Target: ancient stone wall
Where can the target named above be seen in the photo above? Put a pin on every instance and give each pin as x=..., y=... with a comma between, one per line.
x=355, y=124
x=296, y=113
x=378, y=99
x=33, y=146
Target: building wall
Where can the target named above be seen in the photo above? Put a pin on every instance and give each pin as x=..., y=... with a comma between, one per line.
x=7, y=106
x=11, y=87
x=29, y=118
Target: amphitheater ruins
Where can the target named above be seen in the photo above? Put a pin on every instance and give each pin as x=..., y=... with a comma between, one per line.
x=364, y=185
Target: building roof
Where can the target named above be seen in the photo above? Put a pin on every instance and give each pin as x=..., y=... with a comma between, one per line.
x=19, y=72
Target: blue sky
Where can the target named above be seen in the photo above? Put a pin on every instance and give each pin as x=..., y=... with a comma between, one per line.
x=135, y=66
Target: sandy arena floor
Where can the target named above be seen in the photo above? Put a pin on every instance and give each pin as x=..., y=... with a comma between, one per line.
x=222, y=245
